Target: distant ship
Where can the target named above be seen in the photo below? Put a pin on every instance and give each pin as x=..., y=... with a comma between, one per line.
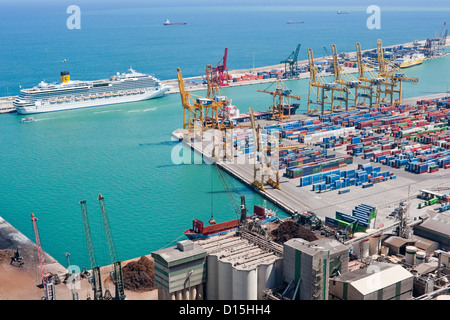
x=292, y=22
x=342, y=12
x=168, y=23
x=68, y=94
x=410, y=60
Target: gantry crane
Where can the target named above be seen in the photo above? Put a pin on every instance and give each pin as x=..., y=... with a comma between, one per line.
x=117, y=274
x=315, y=85
x=282, y=95
x=394, y=77
x=291, y=61
x=203, y=112
x=363, y=82
x=264, y=167
x=46, y=277
x=96, y=277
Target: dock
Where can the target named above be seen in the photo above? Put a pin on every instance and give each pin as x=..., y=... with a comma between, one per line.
x=292, y=198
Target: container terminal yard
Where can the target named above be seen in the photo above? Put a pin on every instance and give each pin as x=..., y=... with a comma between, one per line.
x=363, y=174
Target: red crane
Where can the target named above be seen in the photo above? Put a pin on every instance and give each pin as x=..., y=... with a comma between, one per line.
x=220, y=71
x=47, y=280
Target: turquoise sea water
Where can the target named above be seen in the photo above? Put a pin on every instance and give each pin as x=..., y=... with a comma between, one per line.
x=124, y=151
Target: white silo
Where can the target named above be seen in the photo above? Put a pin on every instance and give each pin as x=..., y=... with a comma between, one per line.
x=361, y=248
x=245, y=284
x=267, y=277
x=410, y=254
x=374, y=242
x=212, y=289
x=420, y=257
x=224, y=280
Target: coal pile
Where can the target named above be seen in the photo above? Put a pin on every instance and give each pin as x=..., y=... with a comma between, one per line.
x=139, y=275
x=289, y=230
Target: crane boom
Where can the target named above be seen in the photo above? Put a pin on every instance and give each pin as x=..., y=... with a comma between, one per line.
x=118, y=275
x=96, y=278
x=46, y=277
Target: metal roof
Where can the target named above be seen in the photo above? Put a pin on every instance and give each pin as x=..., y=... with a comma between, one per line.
x=375, y=277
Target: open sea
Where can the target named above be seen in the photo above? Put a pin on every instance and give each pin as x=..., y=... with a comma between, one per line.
x=124, y=151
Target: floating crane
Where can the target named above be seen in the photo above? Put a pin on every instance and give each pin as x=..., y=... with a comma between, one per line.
x=281, y=106
x=117, y=274
x=96, y=277
x=291, y=61
x=46, y=277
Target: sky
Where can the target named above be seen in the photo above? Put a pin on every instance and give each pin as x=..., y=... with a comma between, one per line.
x=168, y=3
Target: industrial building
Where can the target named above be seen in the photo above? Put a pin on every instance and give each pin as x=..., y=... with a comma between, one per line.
x=379, y=281
x=308, y=266
x=180, y=271
x=436, y=228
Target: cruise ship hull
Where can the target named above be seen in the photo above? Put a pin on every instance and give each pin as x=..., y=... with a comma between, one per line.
x=88, y=103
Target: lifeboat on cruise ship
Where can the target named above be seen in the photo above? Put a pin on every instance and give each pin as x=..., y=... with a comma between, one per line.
x=121, y=93
x=108, y=95
x=53, y=101
x=93, y=96
x=78, y=98
x=115, y=94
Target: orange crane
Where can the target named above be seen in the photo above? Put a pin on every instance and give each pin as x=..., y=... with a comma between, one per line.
x=47, y=278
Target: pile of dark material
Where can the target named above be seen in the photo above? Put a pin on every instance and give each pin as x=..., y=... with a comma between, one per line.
x=139, y=275
x=290, y=229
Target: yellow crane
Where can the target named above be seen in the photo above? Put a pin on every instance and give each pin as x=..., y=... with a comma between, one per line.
x=363, y=82
x=394, y=77
x=263, y=161
x=203, y=112
x=282, y=95
x=315, y=85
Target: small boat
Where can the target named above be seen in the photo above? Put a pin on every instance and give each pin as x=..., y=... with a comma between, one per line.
x=342, y=12
x=27, y=119
x=168, y=23
x=294, y=22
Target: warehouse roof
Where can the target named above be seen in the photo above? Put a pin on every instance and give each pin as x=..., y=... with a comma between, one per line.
x=375, y=277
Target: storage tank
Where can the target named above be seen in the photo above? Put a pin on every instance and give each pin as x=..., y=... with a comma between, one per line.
x=410, y=254
x=224, y=280
x=267, y=277
x=420, y=257
x=374, y=242
x=361, y=248
x=212, y=289
x=245, y=284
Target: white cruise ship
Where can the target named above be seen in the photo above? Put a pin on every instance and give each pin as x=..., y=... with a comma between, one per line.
x=70, y=94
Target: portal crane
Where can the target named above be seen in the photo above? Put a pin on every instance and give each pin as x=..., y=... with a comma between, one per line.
x=363, y=82
x=220, y=71
x=46, y=277
x=96, y=278
x=291, y=61
x=117, y=274
x=282, y=95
